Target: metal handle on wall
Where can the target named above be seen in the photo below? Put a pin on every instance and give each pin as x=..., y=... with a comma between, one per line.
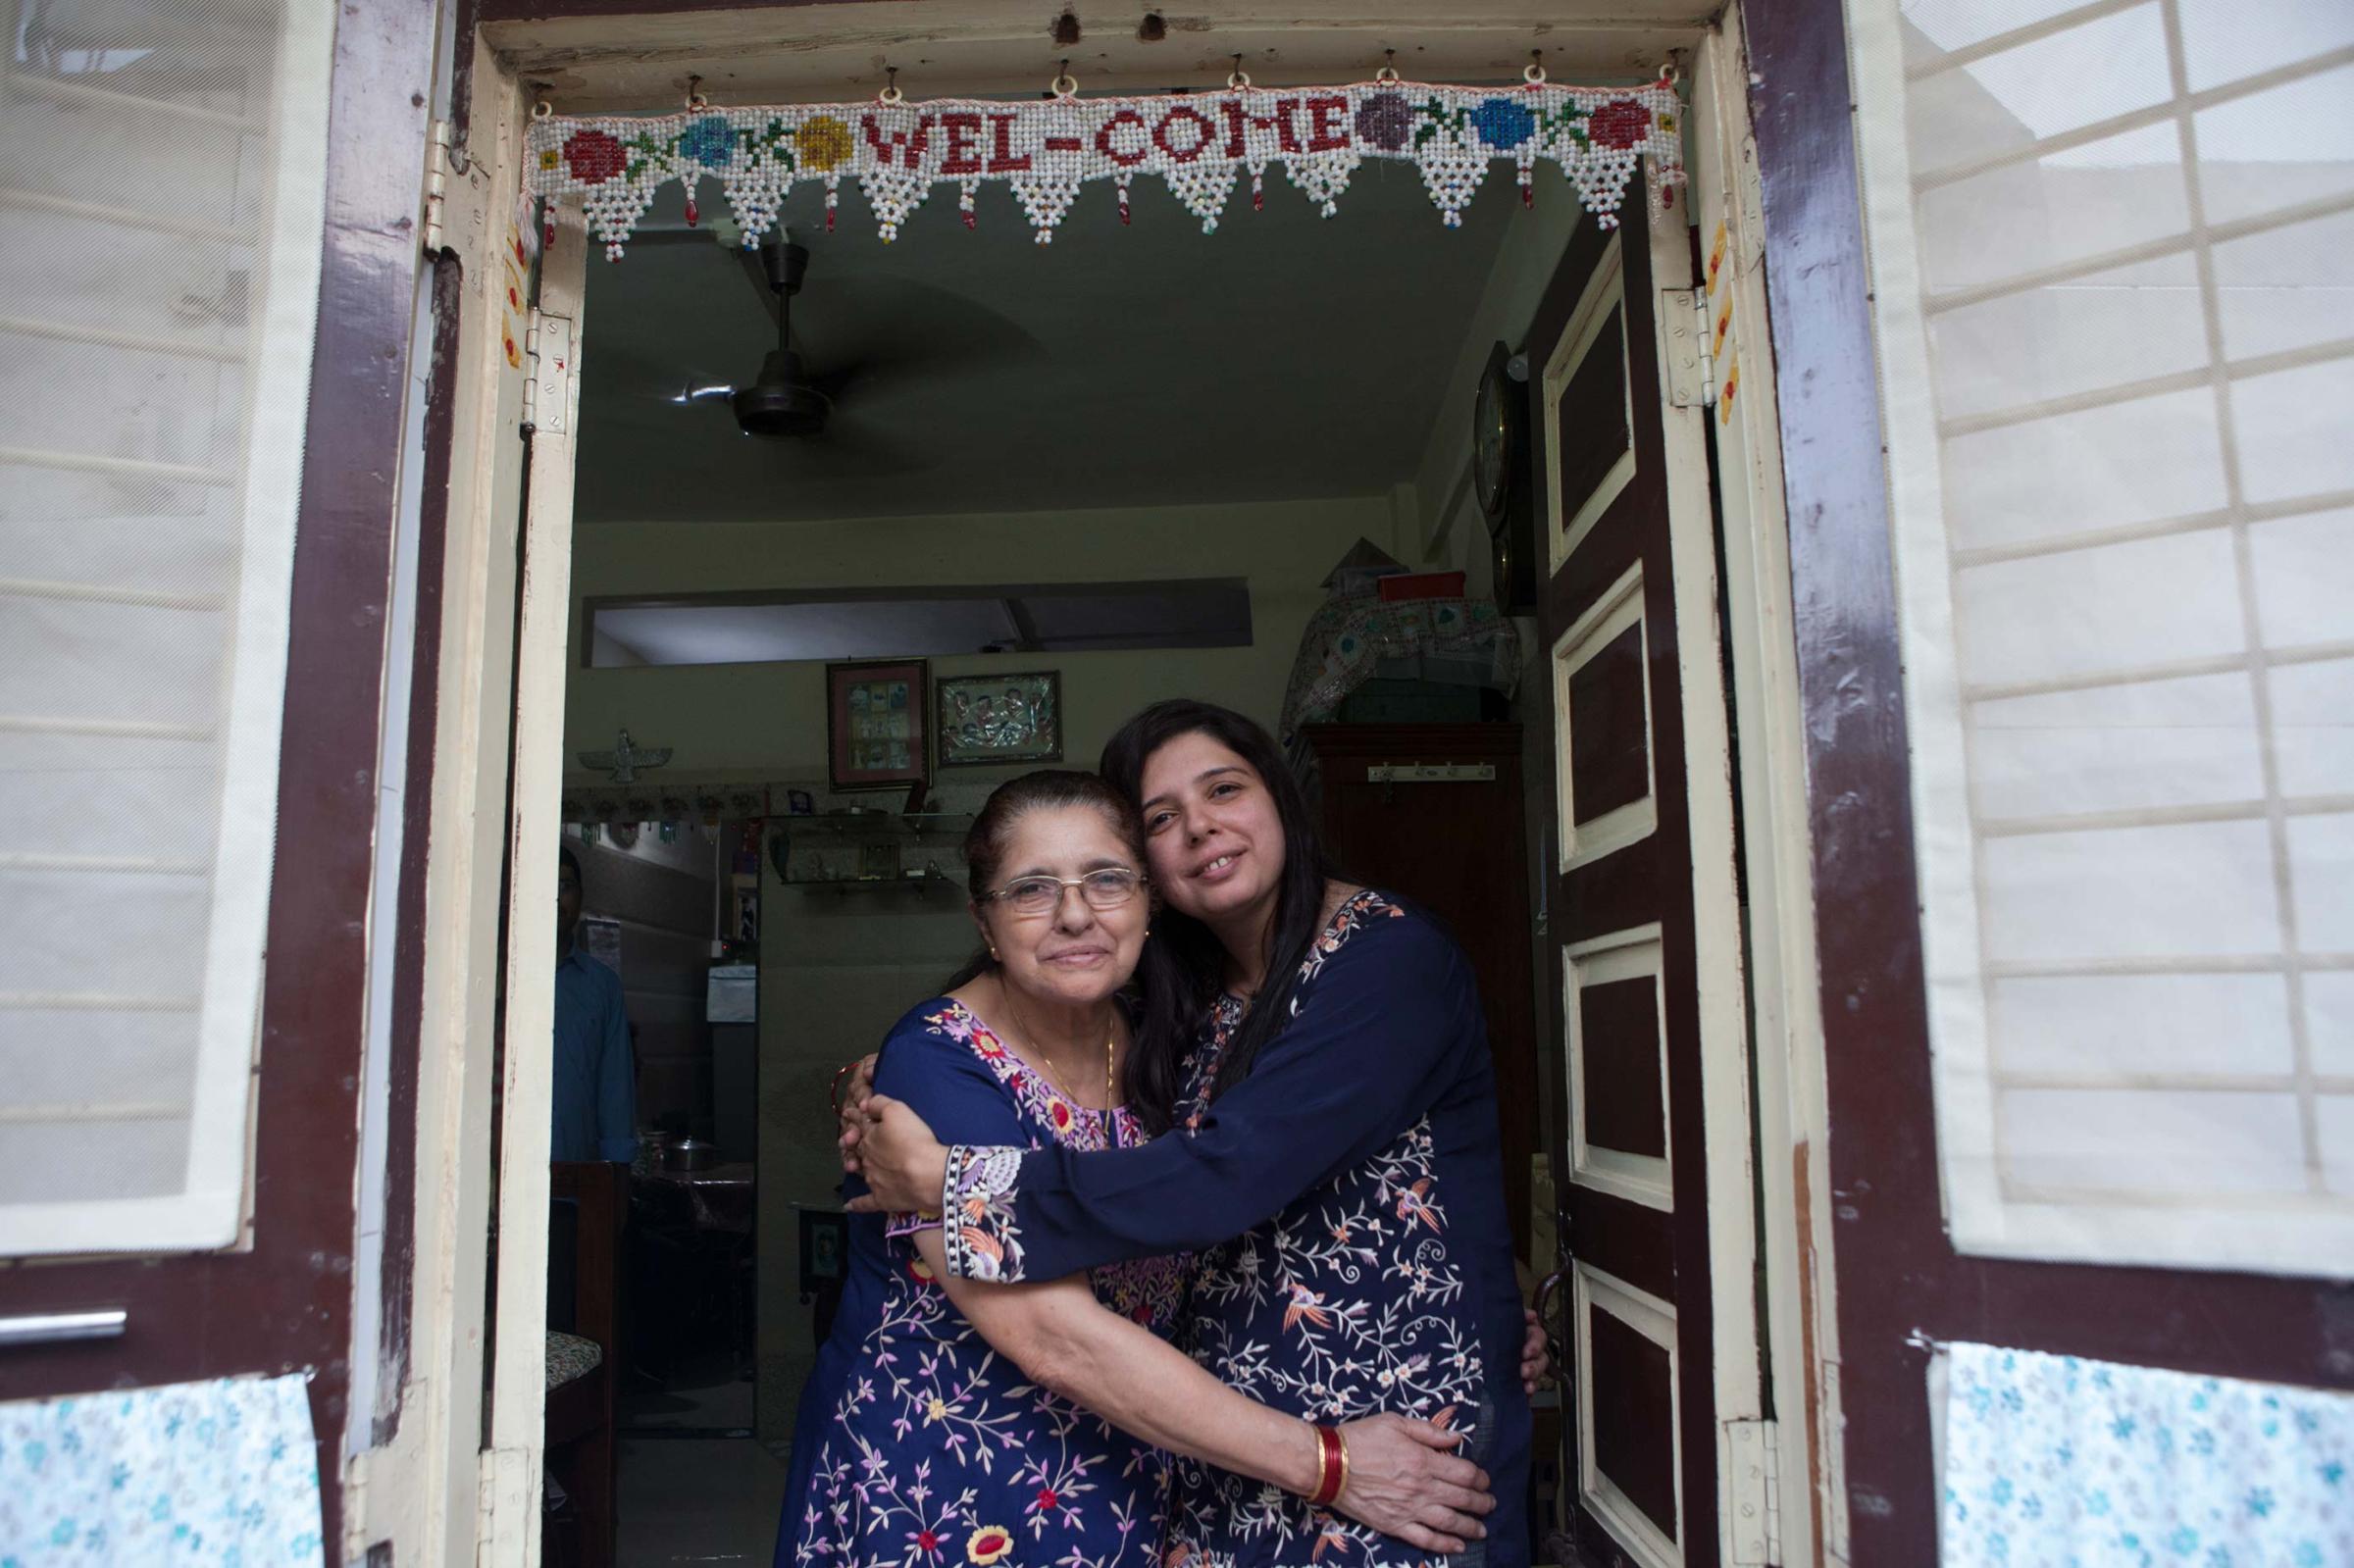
x=1547, y=1290
x=59, y=1327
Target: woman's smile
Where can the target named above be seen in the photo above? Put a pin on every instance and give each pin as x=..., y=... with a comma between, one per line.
x=1211, y=830
x=1220, y=869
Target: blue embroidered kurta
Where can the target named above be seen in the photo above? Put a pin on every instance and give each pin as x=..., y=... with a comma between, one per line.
x=918, y=1446
x=1347, y=1203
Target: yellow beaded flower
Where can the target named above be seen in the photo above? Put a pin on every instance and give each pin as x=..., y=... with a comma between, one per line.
x=825, y=142
x=989, y=1545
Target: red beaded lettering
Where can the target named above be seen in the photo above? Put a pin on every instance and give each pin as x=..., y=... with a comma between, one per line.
x=908, y=143
x=1204, y=134
x=1327, y=123
x=1280, y=122
x=1104, y=142
x=1002, y=160
x=962, y=155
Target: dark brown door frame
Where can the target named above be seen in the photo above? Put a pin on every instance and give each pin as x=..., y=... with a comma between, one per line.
x=285, y=1303
x=1897, y=1276
x=1898, y=1279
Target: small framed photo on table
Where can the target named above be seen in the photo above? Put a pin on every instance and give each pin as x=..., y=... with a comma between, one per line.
x=876, y=734
x=988, y=720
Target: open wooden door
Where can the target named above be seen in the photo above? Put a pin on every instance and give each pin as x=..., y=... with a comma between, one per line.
x=1649, y=1132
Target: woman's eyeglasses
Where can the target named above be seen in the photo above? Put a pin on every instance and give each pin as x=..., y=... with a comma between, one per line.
x=1032, y=896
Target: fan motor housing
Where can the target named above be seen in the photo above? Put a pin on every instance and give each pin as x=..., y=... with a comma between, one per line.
x=781, y=403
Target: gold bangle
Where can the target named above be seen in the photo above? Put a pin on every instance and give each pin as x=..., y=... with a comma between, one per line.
x=1341, y=1438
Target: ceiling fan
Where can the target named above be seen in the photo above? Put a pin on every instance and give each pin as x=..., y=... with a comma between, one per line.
x=785, y=400
x=901, y=326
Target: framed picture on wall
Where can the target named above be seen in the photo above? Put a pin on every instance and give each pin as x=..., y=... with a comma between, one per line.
x=986, y=720
x=824, y=1246
x=877, y=736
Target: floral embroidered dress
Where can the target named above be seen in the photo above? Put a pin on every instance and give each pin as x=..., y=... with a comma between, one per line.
x=1347, y=1203
x=916, y=1443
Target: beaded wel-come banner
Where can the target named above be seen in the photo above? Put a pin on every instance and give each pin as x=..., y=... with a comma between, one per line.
x=1199, y=145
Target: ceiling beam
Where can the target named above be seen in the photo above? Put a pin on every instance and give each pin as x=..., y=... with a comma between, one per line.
x=585, y=57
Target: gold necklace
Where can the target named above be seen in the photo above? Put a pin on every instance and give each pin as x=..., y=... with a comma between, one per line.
x=1111, y=1045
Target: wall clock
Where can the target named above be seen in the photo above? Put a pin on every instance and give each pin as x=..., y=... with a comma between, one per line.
x=1500, y=479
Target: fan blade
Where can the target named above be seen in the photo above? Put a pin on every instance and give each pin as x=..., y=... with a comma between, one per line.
x=641, y=391
x=905, y=318
x=905, y=330
x=857, y=441
x=834, y=383
x=848, y=449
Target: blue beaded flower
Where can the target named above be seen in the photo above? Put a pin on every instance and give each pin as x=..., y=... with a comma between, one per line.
x=1501, y=123
x=708, y=141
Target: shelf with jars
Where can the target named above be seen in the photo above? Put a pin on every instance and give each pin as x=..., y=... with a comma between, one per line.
x=850, y=850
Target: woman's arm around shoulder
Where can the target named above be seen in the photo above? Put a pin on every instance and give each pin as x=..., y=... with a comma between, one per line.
x=1380, y=1031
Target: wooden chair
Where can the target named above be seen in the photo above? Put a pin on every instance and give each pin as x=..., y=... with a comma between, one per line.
x=580, y=1388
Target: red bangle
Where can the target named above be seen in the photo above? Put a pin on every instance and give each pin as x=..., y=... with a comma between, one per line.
x=1333, y=1465
x=851, y=1067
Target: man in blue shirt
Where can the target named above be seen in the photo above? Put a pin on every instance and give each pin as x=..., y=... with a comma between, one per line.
x=595, y=1079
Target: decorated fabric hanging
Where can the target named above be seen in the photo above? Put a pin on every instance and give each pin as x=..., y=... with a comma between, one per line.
x=1199, y=145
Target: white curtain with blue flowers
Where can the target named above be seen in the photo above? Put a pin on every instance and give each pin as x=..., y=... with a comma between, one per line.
x=224, y=1472
x=2051, y=1460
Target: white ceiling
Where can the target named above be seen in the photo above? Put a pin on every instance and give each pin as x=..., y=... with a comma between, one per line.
x=1285, y=356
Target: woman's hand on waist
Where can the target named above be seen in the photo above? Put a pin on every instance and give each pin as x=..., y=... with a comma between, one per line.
x=1405, y=1480
x=905, y=1167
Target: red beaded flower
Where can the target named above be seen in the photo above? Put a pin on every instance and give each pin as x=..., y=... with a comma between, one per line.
x=592, y=156
x=1621, y=123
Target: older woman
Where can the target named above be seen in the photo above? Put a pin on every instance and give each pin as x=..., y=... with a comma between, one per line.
x=970, y=1408
x=1333, y=1160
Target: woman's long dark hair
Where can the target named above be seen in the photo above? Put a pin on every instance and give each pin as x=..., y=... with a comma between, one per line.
x=1047, y=789
x=1184, y=965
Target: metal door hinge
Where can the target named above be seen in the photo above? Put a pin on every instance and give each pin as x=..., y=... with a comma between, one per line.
x=503, y=1495
x=1752, y=1480
x=547, y=390
x=437, y=170
x=458, y=195
x=1691, y=364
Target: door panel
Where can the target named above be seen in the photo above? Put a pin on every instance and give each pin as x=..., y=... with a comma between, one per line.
x=1642, y=920
x=1456, y=847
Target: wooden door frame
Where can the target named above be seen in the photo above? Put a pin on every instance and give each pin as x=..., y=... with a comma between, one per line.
x=419, y=1487
x=1858, y=796
x=418, y=1490
x=1800, y=1349
x=280, y=1301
